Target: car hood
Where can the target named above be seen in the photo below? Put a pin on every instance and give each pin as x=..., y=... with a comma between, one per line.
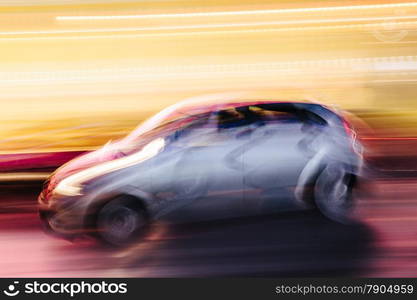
x=108, y=152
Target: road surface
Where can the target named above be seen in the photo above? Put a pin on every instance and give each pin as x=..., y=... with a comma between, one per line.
x=382, y=243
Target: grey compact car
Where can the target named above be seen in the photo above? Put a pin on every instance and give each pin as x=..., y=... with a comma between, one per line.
x=195, y=161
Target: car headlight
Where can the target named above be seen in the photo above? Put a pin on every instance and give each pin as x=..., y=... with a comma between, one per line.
x=72, y=185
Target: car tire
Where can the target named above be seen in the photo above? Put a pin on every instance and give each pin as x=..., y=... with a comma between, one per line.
x=121, y=221
x=333, y=193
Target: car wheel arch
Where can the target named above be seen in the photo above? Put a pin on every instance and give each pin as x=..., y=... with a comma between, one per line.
x=307, y=183
x=90, y=219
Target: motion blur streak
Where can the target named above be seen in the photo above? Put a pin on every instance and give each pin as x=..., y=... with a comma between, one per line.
x=212, y=25
x=374, y=26
x=78, y=74
x=235, y=13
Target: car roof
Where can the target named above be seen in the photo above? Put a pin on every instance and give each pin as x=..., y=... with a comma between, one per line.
x=191, y=108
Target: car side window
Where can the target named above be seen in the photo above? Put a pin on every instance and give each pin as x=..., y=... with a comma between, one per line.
x=230, y=118
x=274, y=116
x=238, y=117
x=295, y=121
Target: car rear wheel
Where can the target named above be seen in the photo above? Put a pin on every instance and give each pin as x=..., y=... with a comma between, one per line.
x=121, y=221
x=333, y=193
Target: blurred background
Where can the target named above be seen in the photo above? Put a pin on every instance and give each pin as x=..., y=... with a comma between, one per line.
x=75, y=74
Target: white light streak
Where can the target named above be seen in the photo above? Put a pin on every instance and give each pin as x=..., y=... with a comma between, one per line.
x=205, y=26
x=239, y=13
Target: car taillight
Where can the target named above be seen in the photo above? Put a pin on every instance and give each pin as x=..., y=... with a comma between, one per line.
x=350, y=132
x=348, y=129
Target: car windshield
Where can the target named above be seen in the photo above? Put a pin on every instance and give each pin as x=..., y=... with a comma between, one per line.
x=158, y=120
x=172, y=117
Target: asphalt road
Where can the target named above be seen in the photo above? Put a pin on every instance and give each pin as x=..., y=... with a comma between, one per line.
x=382, y=243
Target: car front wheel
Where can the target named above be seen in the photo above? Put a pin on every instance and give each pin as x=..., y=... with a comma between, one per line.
x=121, y=221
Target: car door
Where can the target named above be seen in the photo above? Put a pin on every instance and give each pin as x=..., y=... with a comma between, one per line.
x=205, y=182
x=273, y=160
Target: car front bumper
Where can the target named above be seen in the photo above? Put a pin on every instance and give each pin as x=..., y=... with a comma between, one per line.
x=58, y=218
